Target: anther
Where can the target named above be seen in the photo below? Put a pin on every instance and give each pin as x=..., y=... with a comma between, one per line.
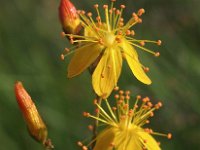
x=121, y=24
x=119, y=33
x=146, y=69
x=159, y=104
x=67, y=50
x=118, y=39
x=98, y=18
x=157, y=54
x=116, y=96
x=89, y=14
x=147, y=121
x=151, y=114
x=119, y=102
x=140, y=12
x=132, y=32
x=78, y=11
x=117, y=12
x=95, y=101
x=102, y=76
x=62, y=34
x=150, y=131
x=142, y=43
x=145, y=141
x=121, y=19
x=79, y=143
x=116, y=88
x=84, y=148
x=128, y=32
x=121, y=92
x=100, y=41
x=62, y=56
x=127, y=92
x=105, y=6
x=149, y=104
x=96, y=6
x=127, y=97
x=130, y=113
x=112, y=144
x=82, y=12
x=90, y=127
x=169, y=135
x=86, y=114
x=146, y=99
x=114, y=108
x=97, y=110
x=139, y=97
x=135, y=16
x=122, y=6
x=147, y=130
x=71, y=41
x=159, y=42
x=144, y=148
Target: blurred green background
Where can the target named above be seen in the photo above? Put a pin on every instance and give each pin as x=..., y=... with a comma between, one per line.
x=30, y=48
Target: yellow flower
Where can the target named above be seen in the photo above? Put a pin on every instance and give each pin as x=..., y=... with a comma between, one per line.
x=106, y=41
x=124, y=125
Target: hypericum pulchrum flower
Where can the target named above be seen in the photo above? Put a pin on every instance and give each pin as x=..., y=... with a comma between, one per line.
x=106, y=41
x=123, y=124
x=34, y=122
x=69, y=18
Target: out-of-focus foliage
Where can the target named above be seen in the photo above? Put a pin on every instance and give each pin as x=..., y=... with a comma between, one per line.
x=30, y=47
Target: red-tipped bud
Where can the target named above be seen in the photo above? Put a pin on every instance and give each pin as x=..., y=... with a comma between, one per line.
x=34, y=122
x=69, y=18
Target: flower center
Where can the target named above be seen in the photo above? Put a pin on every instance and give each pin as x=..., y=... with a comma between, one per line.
x=109, y=39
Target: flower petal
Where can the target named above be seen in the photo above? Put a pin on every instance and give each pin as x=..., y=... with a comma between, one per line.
x=150, y=141
x=134, y=64
x=107, y=72
x=128, y=49
x=83, y=58
x=105, y=139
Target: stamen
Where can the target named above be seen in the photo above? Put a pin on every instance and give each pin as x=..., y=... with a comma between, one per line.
x=140, y=12
x=159, y=42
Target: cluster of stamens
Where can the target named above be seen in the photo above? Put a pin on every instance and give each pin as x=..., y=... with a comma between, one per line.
x=108, y=31
x=125, y=117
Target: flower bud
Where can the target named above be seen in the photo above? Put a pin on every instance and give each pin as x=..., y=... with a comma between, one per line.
x=69, y=18
x=34, y=122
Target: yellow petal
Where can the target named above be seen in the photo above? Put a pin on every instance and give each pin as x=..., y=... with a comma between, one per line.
x=107, y=72
x=83, y=58
x=150, y=143
x=134, y=64
x=105, y=139
x=128, y=49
